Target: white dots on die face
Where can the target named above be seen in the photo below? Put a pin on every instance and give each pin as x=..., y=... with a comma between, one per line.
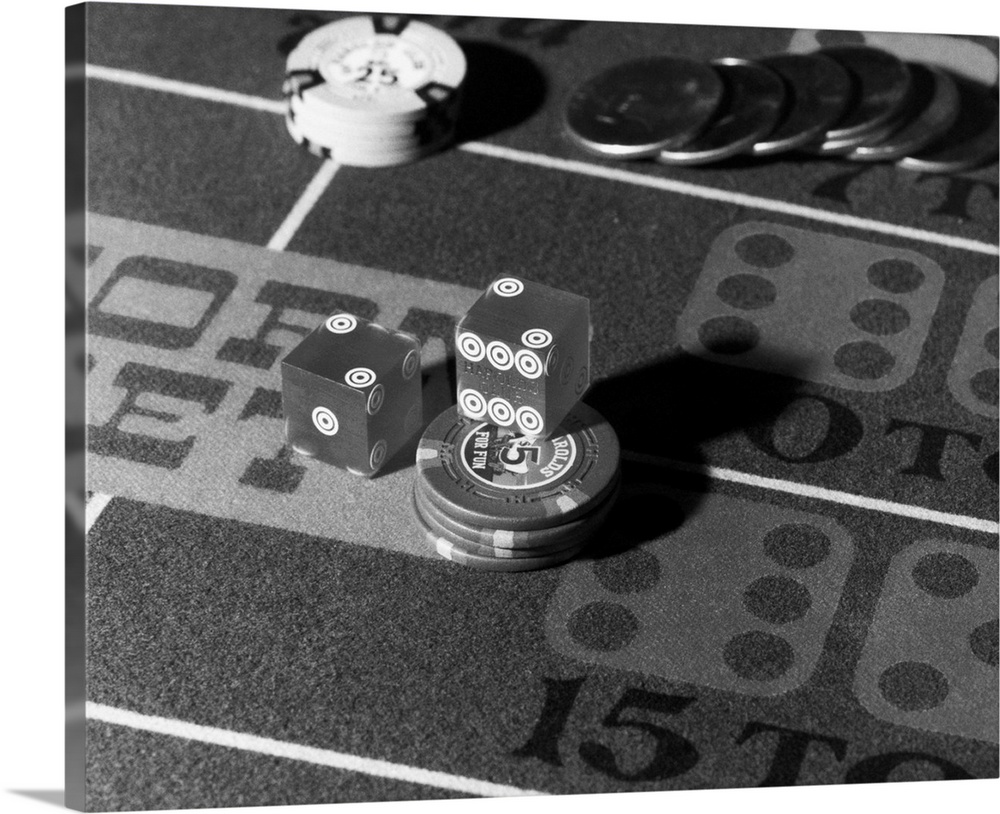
x=375, y=399
x=566, y=372
x=552, y=361
x=360, y=376
x=342, y=323
x=500, y=411
x=377, y=458
x=473, y=403
x=508, y=287
x=411, y=363
x=529, y=420
x=471, y=347
x=528, y=364
x=500, y=355
x=325, y=421
x=412, y=421
x=536, y=338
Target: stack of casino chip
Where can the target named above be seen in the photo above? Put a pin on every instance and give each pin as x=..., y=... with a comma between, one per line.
x=374, y=91
x=492, y=499
x=857, y=102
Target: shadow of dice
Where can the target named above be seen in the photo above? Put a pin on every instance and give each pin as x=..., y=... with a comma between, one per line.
x=739, y=597
x=523, y=355
x=856, y=313
x=350, y=392
x=930, y=660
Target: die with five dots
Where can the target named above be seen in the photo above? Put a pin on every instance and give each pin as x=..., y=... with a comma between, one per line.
x=351, y=393
x=523, y=355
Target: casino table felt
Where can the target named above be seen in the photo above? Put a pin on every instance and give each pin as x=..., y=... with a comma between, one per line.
x=798, y=582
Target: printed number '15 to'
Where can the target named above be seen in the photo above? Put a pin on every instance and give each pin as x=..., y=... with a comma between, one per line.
x=672, y=754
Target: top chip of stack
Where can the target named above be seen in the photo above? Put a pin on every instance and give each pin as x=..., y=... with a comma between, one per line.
x=374, y=91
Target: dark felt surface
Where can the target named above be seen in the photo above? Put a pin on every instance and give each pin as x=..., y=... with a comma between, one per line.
x=349, y=647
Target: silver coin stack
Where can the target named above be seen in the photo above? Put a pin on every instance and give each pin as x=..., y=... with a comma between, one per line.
x=857, y=102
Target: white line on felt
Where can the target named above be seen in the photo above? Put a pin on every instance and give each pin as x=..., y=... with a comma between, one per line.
x=579, y=167
x=727, y=196
x=819, y=493
x=307, y=754
x=303, y=206
x=141, y=80
x=95, y=506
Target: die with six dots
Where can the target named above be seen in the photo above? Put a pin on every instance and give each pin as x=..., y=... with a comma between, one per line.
x=523, y=355
x=351, y=393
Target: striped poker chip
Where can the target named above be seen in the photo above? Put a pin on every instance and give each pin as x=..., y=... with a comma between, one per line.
x=376, y=69
x=329, y=130
x=438, y=118
x=478, y=549
x=300, y=138
x=513, y=544
x=359, y=155
x=452, y=549
x=495, y=477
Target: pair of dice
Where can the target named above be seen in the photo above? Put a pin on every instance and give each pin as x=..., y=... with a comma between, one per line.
x=351, y=390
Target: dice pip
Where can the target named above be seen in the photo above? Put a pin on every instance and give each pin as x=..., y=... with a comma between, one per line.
x=748, y=589
x=350, y=393
x=523, y=355
x=930, y=657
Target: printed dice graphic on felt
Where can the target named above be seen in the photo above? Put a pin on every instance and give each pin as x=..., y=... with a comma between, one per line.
x=350, y=392
x=523, y=355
